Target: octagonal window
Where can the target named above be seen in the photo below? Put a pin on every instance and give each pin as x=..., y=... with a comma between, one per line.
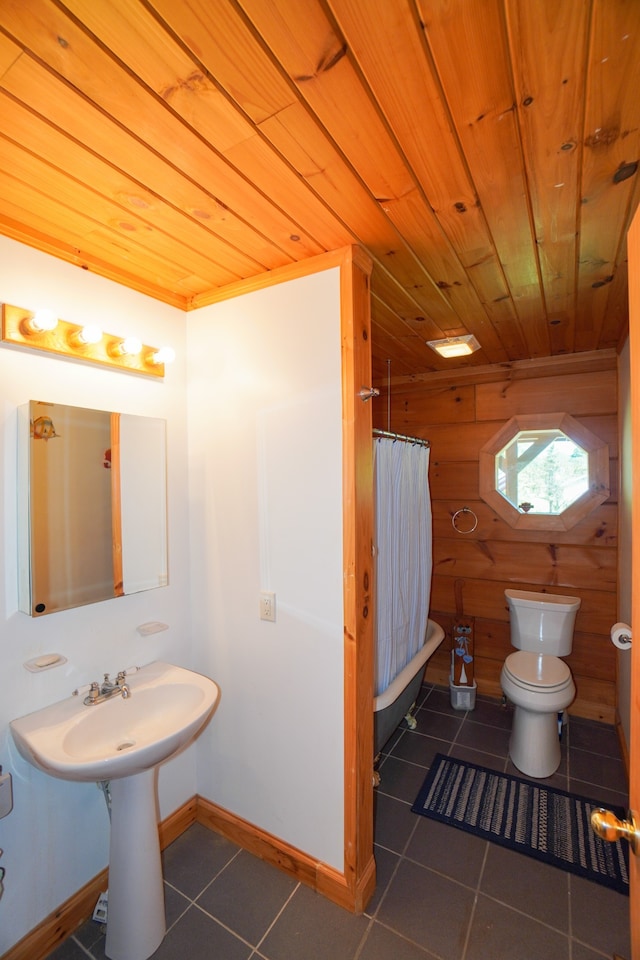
x=544, y=472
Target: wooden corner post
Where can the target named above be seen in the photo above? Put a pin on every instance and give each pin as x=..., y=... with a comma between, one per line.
x=357, y=479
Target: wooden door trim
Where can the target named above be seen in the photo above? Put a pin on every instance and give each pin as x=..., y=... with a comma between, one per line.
x=633, y=244
x=357, y=486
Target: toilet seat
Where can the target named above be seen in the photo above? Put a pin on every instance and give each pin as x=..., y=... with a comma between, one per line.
x=536, y=672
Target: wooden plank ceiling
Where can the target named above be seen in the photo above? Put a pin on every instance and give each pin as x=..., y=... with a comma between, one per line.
x=483, y=152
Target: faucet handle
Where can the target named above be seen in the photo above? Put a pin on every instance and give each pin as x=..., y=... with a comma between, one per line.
x=106, y=678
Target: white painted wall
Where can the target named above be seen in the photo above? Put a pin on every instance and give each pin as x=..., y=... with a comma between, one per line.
x=624, y=539
x=264, y=387
x=56, y=838
x=254, y=502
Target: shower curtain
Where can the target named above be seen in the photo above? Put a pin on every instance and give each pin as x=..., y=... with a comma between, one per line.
x=403, y=533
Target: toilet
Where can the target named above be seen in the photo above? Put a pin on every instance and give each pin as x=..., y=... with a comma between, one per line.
x=534, y=678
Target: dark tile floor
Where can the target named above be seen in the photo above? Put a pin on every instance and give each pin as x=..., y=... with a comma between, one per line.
x=441, y=893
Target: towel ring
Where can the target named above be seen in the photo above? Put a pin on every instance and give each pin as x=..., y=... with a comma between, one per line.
x=457, y=514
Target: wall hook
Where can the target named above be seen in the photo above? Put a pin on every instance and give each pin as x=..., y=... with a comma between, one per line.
x=366, y=393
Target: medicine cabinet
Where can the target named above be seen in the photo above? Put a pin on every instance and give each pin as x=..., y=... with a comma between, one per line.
x=92, y=510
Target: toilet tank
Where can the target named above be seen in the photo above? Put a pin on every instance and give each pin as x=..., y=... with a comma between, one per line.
x=542, y=622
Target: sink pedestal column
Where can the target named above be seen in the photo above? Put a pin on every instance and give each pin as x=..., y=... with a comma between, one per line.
x=135, y=917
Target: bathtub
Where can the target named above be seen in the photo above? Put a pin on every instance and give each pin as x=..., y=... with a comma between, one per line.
x=396, y=701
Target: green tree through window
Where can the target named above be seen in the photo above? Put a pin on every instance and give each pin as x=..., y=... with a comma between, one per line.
x=542, y=471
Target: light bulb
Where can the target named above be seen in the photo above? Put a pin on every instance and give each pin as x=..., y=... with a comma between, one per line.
x=163, y=355
x=131, y=346
x=88, y=334
x=42, y=321
x=455, y=350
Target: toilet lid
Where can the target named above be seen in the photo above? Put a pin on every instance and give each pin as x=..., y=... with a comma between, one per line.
x=537, y=671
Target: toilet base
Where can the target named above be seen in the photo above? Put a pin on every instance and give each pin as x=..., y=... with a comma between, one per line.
x=534, y=747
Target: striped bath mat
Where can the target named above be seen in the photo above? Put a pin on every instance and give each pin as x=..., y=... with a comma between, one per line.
x=551, y=825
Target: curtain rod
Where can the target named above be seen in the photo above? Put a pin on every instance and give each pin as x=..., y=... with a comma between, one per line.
x=399, y=436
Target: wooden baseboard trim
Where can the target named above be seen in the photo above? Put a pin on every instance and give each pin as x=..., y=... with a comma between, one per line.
x=70, y=915
x=333, y=885
x=177, y=822
x=297, y=864
x=60, y=924
x=300, y=866
x=326, y=880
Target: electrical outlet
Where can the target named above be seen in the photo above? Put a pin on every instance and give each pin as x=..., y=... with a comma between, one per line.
x=267, y=606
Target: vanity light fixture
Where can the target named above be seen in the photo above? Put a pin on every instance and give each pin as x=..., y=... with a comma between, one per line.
x=455, y=346
x=42, y=330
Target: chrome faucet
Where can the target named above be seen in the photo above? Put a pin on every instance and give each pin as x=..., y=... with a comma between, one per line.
x=98, y=692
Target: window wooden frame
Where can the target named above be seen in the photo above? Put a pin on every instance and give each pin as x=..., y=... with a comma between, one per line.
x=598, y=453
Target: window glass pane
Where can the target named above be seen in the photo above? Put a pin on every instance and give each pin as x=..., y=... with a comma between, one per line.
x=542, y=471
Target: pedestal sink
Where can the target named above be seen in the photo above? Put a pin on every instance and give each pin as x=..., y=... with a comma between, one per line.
x=123, y=740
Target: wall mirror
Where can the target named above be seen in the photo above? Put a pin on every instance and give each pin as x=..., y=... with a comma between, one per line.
x=92, y=512
x=544, y=471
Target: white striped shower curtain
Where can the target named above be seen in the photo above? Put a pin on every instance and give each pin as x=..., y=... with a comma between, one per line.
x=403, y=547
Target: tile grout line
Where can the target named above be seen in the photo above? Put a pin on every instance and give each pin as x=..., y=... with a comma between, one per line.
x=86, y=950
x=400, y=854
x=467, y=939
x=277, y=917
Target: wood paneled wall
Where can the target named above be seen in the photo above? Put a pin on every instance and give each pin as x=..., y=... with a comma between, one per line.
x=459, y=414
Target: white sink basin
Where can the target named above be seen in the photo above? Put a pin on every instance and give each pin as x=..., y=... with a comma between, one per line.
x=119, y=737
x=122, y=740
